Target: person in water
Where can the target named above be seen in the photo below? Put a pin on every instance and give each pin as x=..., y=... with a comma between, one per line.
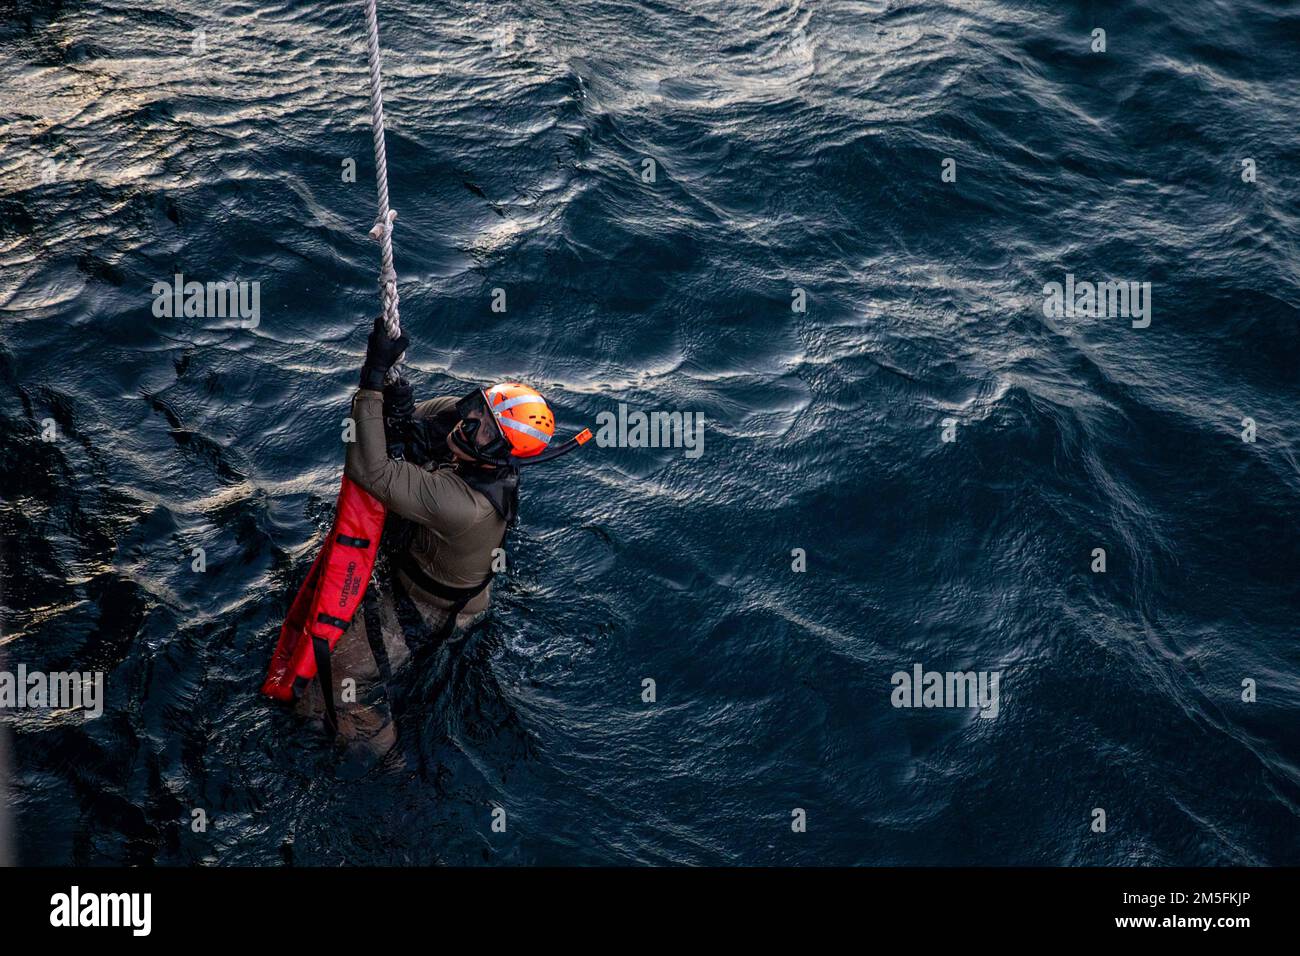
x=447, y=470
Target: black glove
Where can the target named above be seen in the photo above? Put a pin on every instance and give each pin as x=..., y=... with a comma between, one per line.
x=381, y=353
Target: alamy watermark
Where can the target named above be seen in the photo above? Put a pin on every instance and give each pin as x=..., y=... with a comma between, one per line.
x=635, y=429
x=1097, y=300
x=922, y=688
x=57, y=690
x=74, y=908
x=211, y=300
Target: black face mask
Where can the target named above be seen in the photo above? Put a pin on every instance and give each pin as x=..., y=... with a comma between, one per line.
x=479, y=433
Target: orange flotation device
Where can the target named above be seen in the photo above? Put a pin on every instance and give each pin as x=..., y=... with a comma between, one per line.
x=328, y=599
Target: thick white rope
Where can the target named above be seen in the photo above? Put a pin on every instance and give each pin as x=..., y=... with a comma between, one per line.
x=383, y=228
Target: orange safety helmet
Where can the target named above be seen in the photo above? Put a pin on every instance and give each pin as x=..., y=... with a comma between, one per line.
x=526, y=420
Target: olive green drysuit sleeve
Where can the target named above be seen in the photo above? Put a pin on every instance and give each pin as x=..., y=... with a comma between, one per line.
x=436, y=499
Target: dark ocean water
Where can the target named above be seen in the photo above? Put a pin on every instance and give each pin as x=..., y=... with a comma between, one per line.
x=796, y=146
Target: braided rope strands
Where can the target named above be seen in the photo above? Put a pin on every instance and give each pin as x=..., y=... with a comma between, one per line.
x=383, y=228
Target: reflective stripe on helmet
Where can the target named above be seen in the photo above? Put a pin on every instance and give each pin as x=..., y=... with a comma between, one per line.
x=519, y=400
x=537, y=433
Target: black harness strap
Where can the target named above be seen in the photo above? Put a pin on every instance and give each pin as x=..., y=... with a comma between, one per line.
x=375, y=635
x=445, y=591
x=458, y=597
x=321, y=648
x=408, y=615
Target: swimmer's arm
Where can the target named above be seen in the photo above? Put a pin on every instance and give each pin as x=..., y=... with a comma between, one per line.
x=434, y=498
x=436, y=406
